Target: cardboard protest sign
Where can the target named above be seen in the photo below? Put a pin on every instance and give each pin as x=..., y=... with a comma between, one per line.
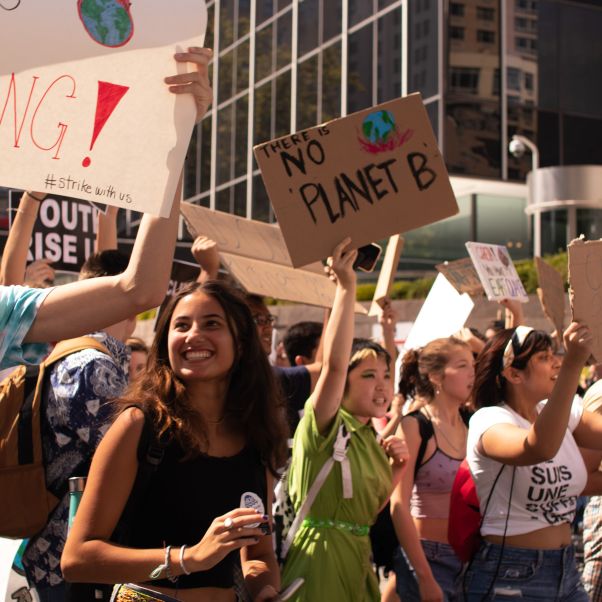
x=237, y=235
x=497, y=272
x=387, y=274
x=443, y=312
x=461, y=274
x=585, y=279
x=551, y=293
x=371, y=174
x=255, y=255
x=64, y=232
x=84, y=110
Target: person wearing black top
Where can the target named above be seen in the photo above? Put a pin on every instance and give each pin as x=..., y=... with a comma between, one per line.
x=199, y=532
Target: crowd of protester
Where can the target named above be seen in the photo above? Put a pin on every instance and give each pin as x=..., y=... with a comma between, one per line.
x=184, y=441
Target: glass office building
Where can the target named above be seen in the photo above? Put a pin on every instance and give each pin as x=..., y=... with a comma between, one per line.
x=486, y=69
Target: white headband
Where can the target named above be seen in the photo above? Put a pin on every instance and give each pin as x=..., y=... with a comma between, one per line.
x=514, y=345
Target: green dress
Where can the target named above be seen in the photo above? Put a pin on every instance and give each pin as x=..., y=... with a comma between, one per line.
x=332, y=550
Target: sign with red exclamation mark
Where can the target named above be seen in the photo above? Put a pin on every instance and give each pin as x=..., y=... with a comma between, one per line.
x=109, y=96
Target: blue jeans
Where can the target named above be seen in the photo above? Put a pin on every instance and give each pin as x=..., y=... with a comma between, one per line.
x=522, y=573
x=444, y=563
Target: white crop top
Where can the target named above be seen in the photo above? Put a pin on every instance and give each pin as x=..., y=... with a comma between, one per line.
x=544, y=494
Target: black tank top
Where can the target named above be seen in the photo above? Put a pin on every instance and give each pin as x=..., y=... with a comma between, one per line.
x=184, y=497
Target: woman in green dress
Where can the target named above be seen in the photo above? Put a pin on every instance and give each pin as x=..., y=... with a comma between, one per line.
x=331, y=550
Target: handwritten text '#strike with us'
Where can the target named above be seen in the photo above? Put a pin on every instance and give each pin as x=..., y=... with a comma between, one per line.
x=67, y=185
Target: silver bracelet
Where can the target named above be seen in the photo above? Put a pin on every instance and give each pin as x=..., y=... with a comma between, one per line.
x=182, y=565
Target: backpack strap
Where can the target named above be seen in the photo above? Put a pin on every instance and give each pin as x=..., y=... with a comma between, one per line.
x=25, y=444
x=499, y=474
x=426, y=430
x=339, y=454
x=68, y=346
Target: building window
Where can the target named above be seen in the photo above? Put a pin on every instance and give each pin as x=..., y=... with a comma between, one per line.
x=526, y=5
x=496, y=83
x=513, y=76
x=464, y=79
x=524, y=24
x=526, y=44
x=456, y=9
x=501, y=220
x=456, y=33
x=485, y=14
x=529, y=81
x=485, y=36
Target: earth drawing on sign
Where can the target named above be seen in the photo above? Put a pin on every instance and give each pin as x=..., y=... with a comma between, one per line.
x=108, y=22
x=380, y=133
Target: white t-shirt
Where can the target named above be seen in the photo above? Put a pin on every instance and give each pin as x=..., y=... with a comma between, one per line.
x=544, y=494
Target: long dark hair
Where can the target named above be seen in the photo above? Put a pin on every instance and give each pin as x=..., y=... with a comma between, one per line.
x=490, y=385
x=253, y=404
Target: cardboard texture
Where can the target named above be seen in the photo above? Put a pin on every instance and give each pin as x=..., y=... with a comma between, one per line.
x=462, y=275
x=237, y=235
x=369, y=175
x=443, y=312
x=551, y=293
x=255, y=255
x=86, y=112
x=497, y=272
x=387, y=274
x=585, y=278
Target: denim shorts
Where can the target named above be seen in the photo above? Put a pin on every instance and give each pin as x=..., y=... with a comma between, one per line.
x=444, y=563
x=522, y=574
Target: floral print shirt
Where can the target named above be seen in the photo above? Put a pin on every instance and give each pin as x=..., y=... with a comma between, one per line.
x=75, y=416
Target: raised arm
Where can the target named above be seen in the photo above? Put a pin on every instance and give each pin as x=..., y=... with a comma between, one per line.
x=106, y=233
x=99, y=302
x=514, y=315
x=338, y=338
x=388, y=322
x=14, y=258
x=205, y=252
x=517, y=446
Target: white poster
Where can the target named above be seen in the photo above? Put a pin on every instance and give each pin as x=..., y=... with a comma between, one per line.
x=497, y=272
x=443, y=312
x=84, y=110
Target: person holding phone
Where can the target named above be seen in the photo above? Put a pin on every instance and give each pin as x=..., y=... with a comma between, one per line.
x=331, y=550
x=202, y=524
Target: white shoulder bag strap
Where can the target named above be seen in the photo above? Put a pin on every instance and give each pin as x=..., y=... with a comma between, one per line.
x=339, y=454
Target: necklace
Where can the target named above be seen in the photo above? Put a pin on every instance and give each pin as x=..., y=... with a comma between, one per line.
x=459, y=450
